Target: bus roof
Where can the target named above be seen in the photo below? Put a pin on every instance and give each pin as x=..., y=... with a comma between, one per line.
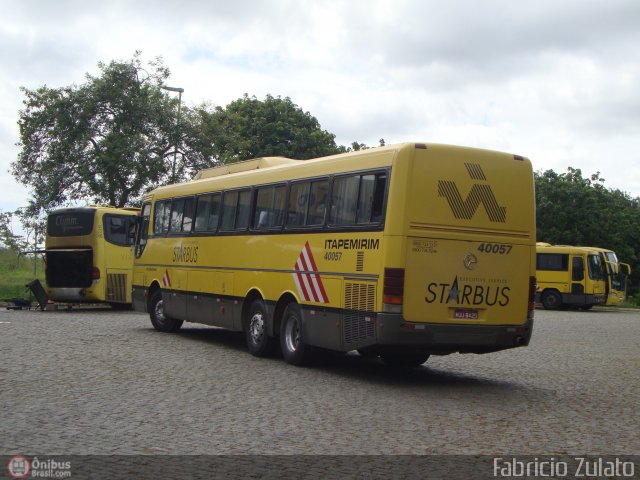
x=98, y=208
x=283, y=168
x=244, y=166
x=542, y=247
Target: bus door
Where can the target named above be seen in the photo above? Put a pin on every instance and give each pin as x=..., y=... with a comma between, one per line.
x=577, y=275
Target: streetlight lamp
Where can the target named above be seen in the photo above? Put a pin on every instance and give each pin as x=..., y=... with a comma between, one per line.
x=175, y=148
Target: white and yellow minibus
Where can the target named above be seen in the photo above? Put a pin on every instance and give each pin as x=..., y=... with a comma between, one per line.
x=88, y=255
x=400, y=252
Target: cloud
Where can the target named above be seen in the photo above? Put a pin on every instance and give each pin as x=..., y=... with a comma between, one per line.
x=555, y=81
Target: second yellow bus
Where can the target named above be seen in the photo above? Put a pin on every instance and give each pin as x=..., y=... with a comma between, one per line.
x=570, y=276
x=88, y=255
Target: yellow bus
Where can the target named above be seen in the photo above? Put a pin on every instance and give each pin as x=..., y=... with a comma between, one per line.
x=399, y=252
x=617, y=276
x=88, y=255
x=570, y=276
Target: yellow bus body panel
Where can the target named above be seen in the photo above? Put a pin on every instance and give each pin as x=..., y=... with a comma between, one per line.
x=470, y=235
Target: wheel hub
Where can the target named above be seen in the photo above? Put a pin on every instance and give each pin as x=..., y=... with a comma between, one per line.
x=256, y=328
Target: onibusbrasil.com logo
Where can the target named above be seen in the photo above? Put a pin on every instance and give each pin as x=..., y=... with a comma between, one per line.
x=20, y=466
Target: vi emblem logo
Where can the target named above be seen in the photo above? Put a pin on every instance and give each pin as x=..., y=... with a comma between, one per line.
x=480, y=194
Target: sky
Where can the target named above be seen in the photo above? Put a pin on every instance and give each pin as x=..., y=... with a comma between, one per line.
x=557, y=81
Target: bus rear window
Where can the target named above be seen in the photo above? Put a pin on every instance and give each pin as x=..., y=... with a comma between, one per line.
x=70, y=223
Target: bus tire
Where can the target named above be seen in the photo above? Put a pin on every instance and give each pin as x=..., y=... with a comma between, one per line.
x=407, y=360
x=551, y=300
x=159, y=320
x=259, y=343
x=294, y=350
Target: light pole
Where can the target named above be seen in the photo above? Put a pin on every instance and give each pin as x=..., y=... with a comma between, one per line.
x=175, y=148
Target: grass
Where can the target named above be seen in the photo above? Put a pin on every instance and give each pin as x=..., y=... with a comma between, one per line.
x=633, y=301
x=15, y=272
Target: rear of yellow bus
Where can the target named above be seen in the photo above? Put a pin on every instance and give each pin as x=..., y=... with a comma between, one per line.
x=71, y=251
x=459, y=259
x=88, y=257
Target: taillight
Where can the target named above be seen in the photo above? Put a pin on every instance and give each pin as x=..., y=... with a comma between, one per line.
x=393, y=290
x=95, y=273
x=532, y=295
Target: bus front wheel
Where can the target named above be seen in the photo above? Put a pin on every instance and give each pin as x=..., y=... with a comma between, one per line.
x=259, y=343
x=294, y=350
x=159, y=320
x=551, y=300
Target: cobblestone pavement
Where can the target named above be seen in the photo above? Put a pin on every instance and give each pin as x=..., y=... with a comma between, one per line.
x=104, y=382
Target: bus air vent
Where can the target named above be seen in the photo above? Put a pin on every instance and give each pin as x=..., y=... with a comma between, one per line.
x=116, y=287
x=360, y=262
x=358, y=327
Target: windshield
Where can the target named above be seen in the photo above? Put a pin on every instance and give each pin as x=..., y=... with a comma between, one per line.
x=596, y=270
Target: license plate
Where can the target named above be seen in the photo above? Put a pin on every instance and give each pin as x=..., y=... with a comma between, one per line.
x=466, y=314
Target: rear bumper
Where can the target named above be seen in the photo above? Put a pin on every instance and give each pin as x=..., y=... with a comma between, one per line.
x=393, y=331
x=70, y=294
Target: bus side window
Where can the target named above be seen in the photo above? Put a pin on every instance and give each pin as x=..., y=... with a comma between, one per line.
x=187, y=218
x=577, y=264
x=203, y=208
x=298, y=201
x=161, y=217
x=264, y=202
x=244, y=210
x=229, y=208
x=365, y=198
x=269, y=211
x=371, y=199
x=177, y=212
x=117, y=229
x=344, y=200
x=279, y=201
x=317, y=202
x=556, y=262
x=214, y=214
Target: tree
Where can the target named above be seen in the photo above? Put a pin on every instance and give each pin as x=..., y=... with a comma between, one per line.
x=574, y=210
x=34, y=232
x=250, y=128
x=357, y=146
x=107, y=141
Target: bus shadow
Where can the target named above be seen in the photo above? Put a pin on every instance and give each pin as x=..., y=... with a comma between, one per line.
x=211, y=335
x=353, y=366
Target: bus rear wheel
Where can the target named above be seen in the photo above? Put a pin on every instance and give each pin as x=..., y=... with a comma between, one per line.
x=294, y=350
x=259, y=343
x=398, y=359
x=551, y=300
x=159, y=320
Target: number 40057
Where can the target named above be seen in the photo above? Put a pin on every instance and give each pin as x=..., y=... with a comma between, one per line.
x=498, y=248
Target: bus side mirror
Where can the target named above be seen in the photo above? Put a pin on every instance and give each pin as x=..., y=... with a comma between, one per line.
x=134, y=228
x=625, y=269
